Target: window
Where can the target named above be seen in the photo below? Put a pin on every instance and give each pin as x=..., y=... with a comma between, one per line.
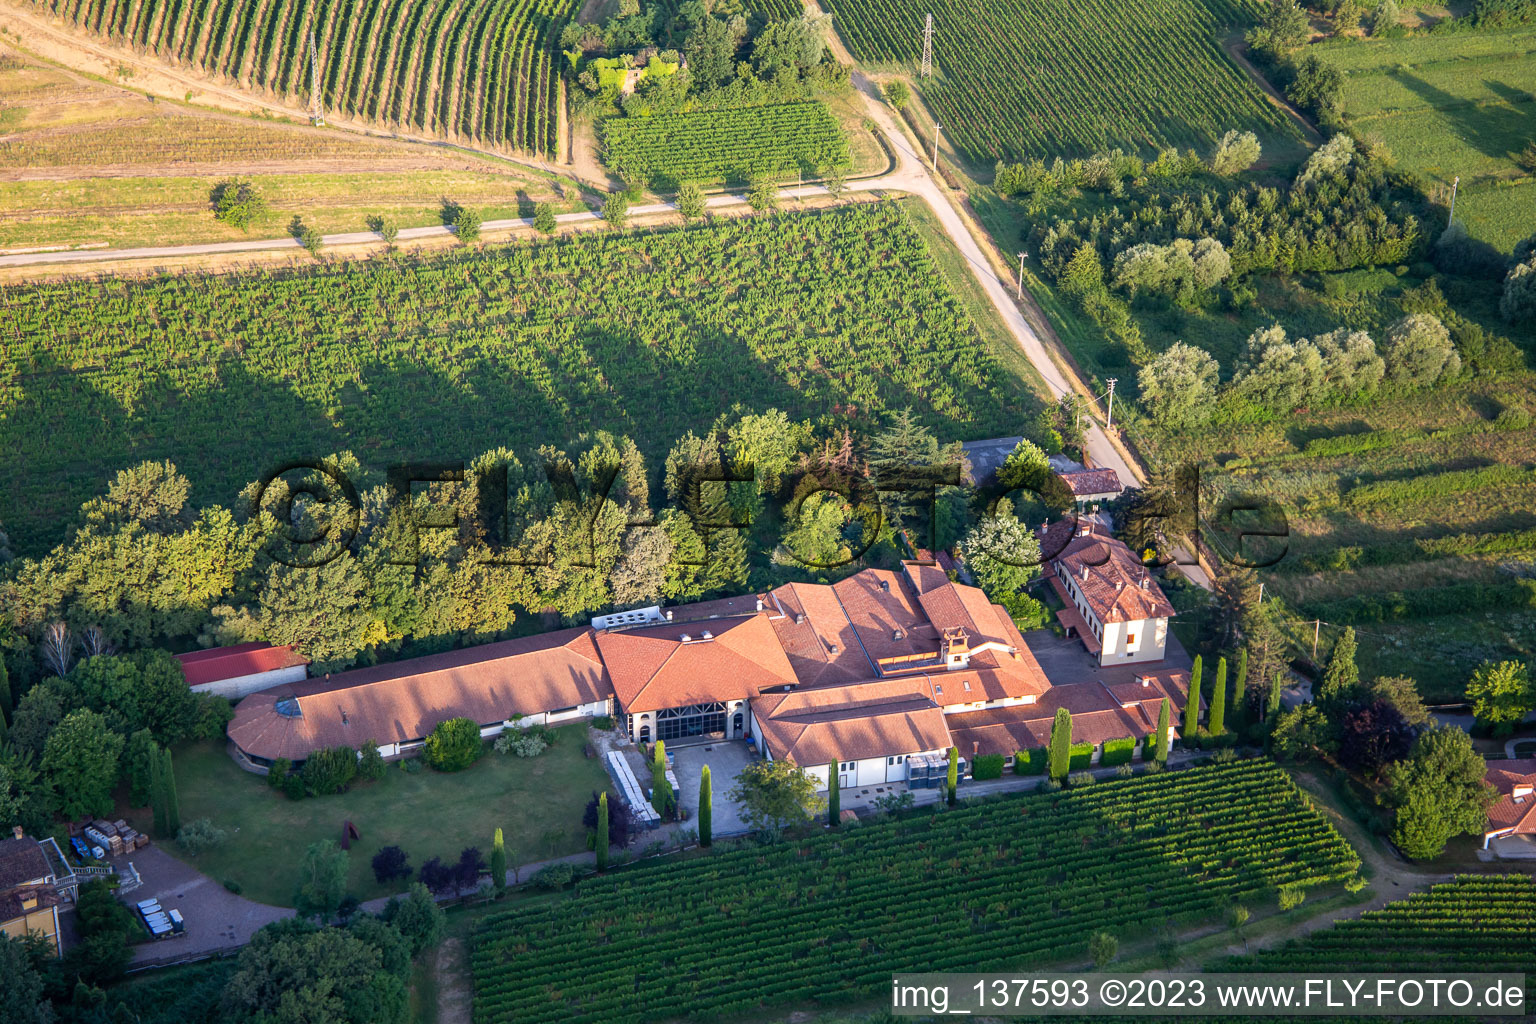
x=890, y=760
x=1130, y=639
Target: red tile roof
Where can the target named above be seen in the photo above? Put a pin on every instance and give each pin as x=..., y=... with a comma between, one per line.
x=405, y=700
x=219, y=663
x=653, y=667
x=1510, y=815
x=1116, y=586
x=1083, y=482
x=867, y=720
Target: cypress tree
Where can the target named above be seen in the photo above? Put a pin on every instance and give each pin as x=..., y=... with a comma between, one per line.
x=1275, y=687
x=953, y=779
x=1218, y=716
x=1342, y=674
x=157, y=789
x=834, y=795
x=602, y=840
x=499, y=862
x=1160, y=748
x=172, y=803
x=661, y=788
x=1240, y=682
x=1192, y=705
x=706, y=808
x=1061, y=745
x=5, y=694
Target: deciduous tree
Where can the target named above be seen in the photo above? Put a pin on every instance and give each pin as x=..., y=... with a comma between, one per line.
x=1439, y=791
x=775, y=794
x=80, y=759
x=1501, y=693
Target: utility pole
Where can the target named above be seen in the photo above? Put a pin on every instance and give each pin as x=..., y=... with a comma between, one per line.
x=1317, y=627
x=936, y=129
x=316, y=110
x=1109, y=423
x=927, y=69
x=1021, y=277
x=1455, y=184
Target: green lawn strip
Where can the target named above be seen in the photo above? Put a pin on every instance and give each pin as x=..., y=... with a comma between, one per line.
x=537, y=802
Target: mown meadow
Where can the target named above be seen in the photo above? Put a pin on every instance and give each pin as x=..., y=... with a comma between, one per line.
x=842, y=314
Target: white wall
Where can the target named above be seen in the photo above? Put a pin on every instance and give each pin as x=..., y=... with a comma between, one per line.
x=241, y=686
x=1150, y=644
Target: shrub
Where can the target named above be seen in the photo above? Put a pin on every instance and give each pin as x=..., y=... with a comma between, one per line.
x=987, y=766
x=329, y=771
x=293, y=787
x=1118, y=752
x=1124, y=771
x=1080, y=779
x=1103, y=947
x=897, y=94
x=233, y=886
x=454, y=745
x=278, y=772
x=521, y=743
x=1291, y=896
x=1082, y=756
x=237, y=202
x=410, y=766
x=389, y=864
x=370, y=763
x=199, y=835
x=1030, y=762
x=544, y=218
x=555, y=876
x=602, y=723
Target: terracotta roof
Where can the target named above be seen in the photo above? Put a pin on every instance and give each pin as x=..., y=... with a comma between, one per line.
x=406, y=700
x=10, y=902
x=653, y=667
x=1096, y=718
x=816, y=636
x=219, y=663
x=1083, y=482
x=886, y=617
x=876, y=719
x=1510, y=814
x=1116, y=586
x=21, y=861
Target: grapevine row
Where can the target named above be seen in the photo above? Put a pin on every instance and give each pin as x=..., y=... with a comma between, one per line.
x=483, y=69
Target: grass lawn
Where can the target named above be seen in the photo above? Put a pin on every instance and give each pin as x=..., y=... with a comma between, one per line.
x=1452, y=105
x=538, y=804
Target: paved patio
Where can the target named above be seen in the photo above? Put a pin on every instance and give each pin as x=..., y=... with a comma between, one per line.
x=216, y=918
x=726, y=759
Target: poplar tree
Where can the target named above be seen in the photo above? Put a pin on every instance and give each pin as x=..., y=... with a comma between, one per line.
x=1192, y=705
x=499, y=862
x=1240, y=682
x=1218, y=717
x=5, y=695
x=1060, y=760
x=953, y=780
x=1342, y=674
x=1160, y=748
x=706, y=808
x=601, y=842
x=661, y=798
x=834, y=795
x=172, y=803
x=1275, y=686
x=157, y=789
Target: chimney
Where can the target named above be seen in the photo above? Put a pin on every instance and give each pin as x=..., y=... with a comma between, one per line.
x=799, y=618
x=897, y=634
x=17, y=832
x=1083, y=529
x=669, y=614
x=759, y=604
x=344, y=717
x=1119, y=585
x=1144, y=581
x=885, y=585
x=1085, y=572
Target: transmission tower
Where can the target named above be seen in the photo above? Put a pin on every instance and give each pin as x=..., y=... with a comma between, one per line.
x=927, y=69
x=316, y=109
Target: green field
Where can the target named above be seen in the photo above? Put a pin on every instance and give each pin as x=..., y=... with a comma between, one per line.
x=1020, y=881
x=840, y=313
x=730, y=146
x=484, y=69
x=537, y=802
x=1422, y=506
x=1476, y=923
x=1015, y=80
x=1447, y=106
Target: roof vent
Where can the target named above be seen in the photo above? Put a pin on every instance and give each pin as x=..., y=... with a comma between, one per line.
x=686, y=638
x=832, y=648
x=898, y=635
x=885, y=585
x=344, y=717
x=706, y=635
x=799, y=618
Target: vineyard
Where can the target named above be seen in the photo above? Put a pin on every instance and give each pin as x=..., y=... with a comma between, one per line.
x=724, y=146
x=1014, y=80
x=1476, y=923
x=482, y=69
x=1017, y=882
x=446, y=355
